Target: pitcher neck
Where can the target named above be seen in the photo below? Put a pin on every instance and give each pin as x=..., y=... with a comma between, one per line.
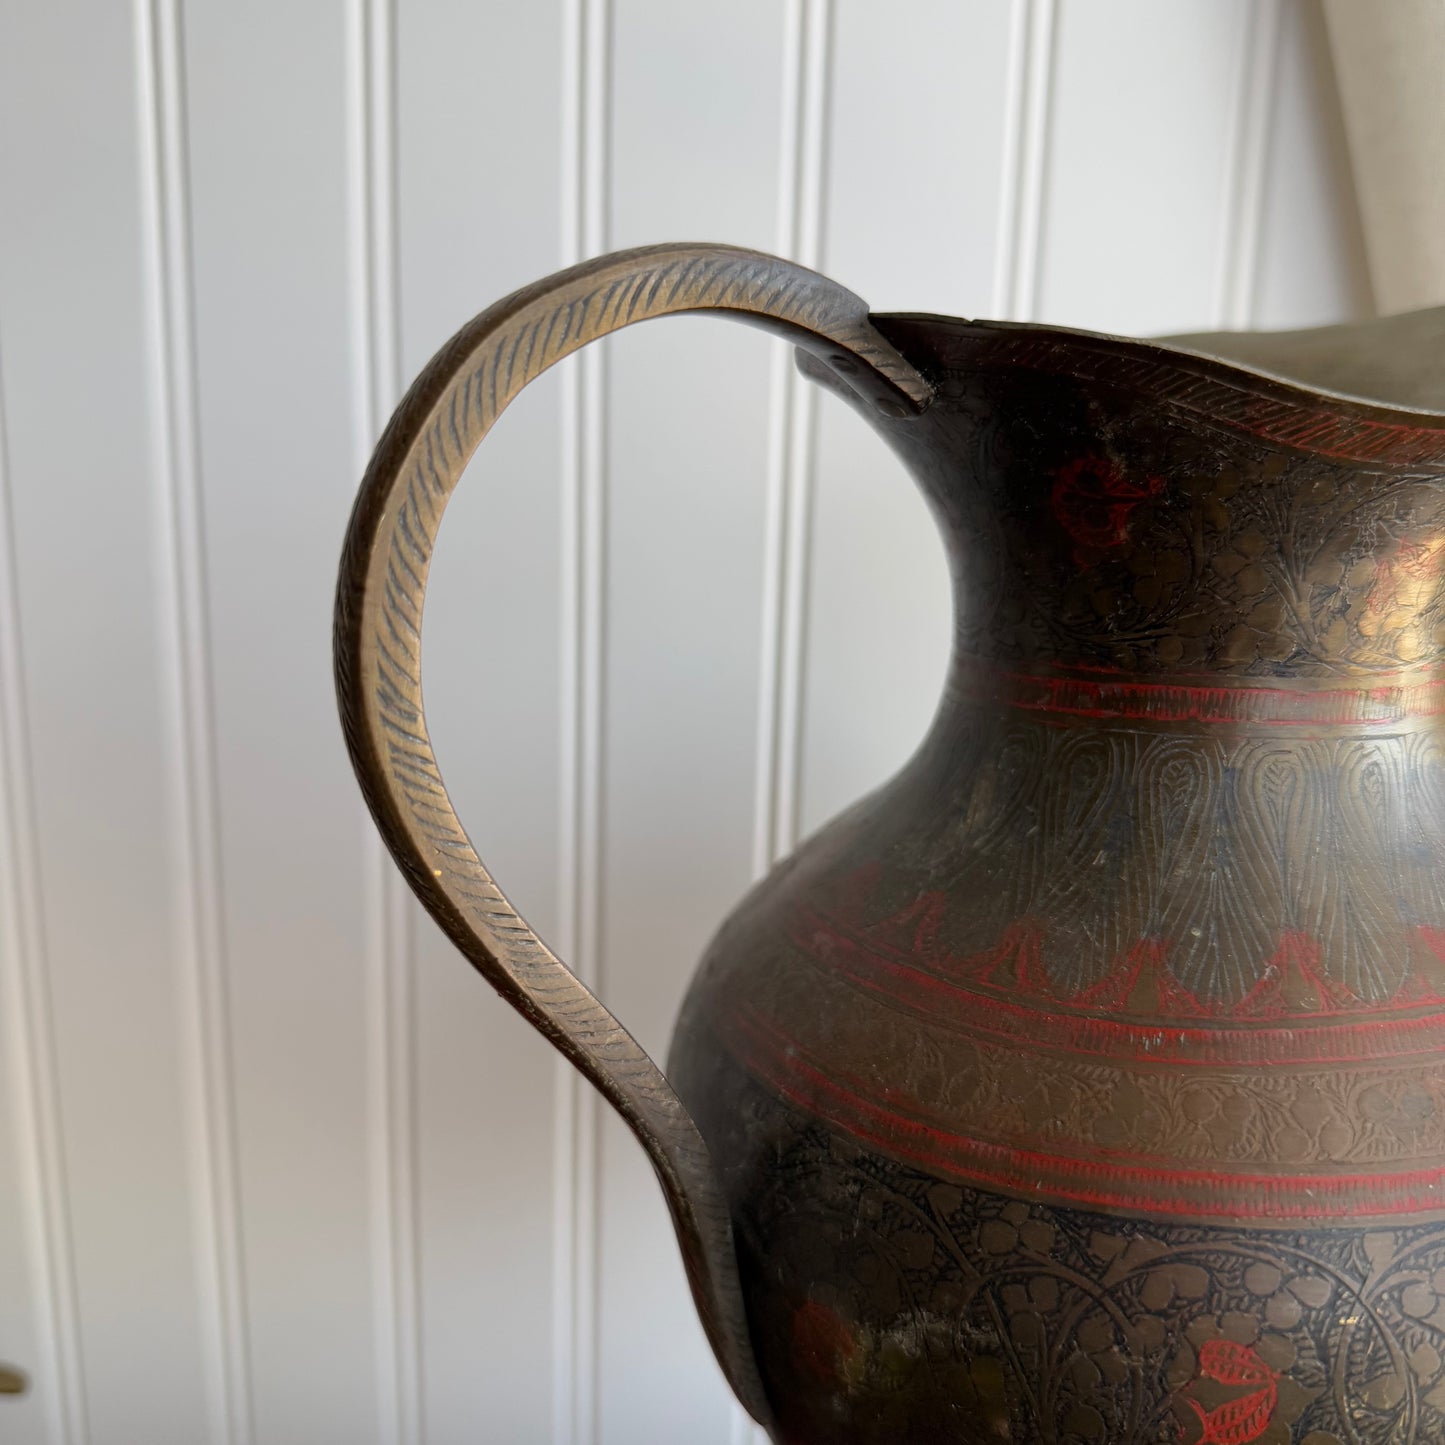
x=1202, y=704
x=1118, y=509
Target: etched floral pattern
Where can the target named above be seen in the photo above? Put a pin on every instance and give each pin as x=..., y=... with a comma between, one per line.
x=950, y=1314
x=1162, y=544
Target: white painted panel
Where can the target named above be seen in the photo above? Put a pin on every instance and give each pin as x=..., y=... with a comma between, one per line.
x=478, y=209
x=1311, y=268
x=1142, y=111
x=916, y=149
x=28, y=1329
x=77, y=336
x=273, y=339
x=910, y=226
x=23, y=1418
x=694, y=152
x=430, y=1257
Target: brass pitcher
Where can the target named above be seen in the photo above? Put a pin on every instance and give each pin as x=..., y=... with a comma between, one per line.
x=1086, y=1082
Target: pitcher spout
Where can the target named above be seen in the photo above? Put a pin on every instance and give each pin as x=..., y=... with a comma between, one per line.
x=1392, y=361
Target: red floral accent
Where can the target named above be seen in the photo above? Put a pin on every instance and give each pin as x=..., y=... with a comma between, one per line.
x=1092, y=500
x=1295, y=964
x=1246, y=1417
x=823, y=1345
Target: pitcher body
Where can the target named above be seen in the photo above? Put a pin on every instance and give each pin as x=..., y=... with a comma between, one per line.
x=1085, y=1083
x=1088, y=1082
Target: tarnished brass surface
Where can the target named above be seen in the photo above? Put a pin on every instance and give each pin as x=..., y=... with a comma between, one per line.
x=418, y=463
x=1085, y=1083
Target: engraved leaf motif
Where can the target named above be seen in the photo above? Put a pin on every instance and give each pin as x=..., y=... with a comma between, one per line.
x=1237, y=1421
x=1233, y=1364
x=1423, y=860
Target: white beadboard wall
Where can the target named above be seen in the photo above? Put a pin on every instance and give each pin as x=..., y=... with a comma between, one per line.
x=275, y=1168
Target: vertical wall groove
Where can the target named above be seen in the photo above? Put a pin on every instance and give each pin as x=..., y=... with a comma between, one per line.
x=24, y=980
x=1247, y=166
x=1023, y=195
x=391, y=968
x=788, y=502
x=84, y=1336
x=787, y=543
x=173, y=359
x=586, y=141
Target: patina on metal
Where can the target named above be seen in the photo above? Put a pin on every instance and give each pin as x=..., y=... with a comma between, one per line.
x=1086, y=1082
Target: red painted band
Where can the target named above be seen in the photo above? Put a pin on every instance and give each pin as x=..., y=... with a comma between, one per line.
x=1386, y=1036
x=1174, y=702
x=1099, y=1182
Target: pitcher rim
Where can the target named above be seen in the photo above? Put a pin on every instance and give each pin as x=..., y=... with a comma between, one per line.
x=1160, y=349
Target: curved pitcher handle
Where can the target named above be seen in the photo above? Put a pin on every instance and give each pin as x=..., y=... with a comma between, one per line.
x=417, y=464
